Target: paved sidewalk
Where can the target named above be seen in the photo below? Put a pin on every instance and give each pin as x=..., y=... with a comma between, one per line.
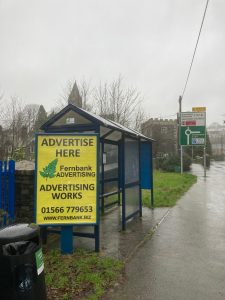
x=113, y=241
x=185, y=257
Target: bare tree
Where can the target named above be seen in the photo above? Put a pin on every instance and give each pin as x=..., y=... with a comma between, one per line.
x=1, y=96
x=118, y=103
x=13, y=121
x=30, y=115
x=101, y=96
x=63, y=97
x=140, y=118
x=112, y=100
x=85, y=92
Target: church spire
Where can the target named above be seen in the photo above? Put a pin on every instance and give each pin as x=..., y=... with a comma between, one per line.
x=74, y=97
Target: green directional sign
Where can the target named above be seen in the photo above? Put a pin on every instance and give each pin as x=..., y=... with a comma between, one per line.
x=193, y=129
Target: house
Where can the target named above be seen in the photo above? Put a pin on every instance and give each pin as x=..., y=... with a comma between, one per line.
x=216, y=134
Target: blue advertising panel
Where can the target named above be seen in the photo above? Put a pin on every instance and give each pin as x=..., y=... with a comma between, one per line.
x=146, y=165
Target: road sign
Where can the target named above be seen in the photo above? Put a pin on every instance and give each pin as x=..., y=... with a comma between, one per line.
x=199, y=109
x=192, y=128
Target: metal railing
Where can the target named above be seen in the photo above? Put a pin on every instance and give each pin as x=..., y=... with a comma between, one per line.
x=7, y=192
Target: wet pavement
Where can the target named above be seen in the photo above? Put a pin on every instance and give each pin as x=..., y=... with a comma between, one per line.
x=123, y=244
x=113, y=241
x=185, y=257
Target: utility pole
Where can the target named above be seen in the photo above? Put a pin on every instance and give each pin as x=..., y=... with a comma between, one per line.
x=181, y=147
x=222, y=137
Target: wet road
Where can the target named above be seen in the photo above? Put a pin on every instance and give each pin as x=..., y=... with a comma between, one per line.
x=185, y=258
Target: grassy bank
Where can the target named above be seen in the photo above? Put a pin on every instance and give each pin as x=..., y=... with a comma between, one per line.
x=83, y=275
x=168, y=188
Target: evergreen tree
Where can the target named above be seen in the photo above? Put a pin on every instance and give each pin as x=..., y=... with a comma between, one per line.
x=51, y=114
x=41, y=118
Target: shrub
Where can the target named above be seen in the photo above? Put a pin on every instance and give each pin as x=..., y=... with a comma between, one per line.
x=172, y=163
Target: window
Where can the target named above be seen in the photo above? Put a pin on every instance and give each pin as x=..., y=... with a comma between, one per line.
x=10, y=149
x=70, y=120
x=164, y=130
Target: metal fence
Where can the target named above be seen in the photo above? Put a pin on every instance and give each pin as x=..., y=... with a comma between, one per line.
x=7, y=192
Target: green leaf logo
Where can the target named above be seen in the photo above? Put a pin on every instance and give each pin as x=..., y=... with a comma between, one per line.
x=49, y=170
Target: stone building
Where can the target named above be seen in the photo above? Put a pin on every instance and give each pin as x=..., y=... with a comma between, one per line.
x=165, y=132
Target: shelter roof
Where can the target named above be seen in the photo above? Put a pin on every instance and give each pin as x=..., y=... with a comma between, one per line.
x=112, y=125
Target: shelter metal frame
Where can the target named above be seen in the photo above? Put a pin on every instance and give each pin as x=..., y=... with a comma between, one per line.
x=110, y=133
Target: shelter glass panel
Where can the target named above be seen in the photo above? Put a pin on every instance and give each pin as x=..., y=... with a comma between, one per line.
x=104, y=130
x=114, y=136
x=131, y=160
x=111, y=200
x=132, y=199
x=110, y=187
x=111, y=165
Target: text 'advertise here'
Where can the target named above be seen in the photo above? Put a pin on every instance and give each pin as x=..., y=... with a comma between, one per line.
x=66, y=179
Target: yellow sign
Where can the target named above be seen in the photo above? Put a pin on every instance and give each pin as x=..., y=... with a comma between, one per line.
x=66, y=179
x=198, y=109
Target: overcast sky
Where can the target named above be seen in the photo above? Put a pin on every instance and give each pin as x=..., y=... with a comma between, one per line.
x=45, y=43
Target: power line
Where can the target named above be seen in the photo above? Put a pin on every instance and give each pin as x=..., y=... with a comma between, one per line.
x=207, y=2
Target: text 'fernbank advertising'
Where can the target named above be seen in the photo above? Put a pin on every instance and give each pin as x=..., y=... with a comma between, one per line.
x=66, y=191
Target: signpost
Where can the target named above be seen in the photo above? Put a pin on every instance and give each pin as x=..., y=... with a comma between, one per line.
x=193, y=129
x=66, y=180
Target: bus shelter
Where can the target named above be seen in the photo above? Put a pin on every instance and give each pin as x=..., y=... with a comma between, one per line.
x=125, y=160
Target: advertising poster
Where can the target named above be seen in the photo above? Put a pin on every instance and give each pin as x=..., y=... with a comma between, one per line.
x=66, y=179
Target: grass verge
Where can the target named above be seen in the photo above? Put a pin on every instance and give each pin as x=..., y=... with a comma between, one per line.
x=82, y=275
x=168, y=188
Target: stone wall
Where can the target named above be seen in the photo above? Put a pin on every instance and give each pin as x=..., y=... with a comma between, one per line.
x=24, y=196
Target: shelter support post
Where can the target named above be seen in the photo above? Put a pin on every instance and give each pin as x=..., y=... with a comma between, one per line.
x=122, y=176
x=103, y=180
x=97, y=238
x=67, y=239
x=44, y=234
x=152, y=198
x=140, y=192
x=152, y=184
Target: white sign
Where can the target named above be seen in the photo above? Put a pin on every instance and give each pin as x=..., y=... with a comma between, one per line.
x=193, y=119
